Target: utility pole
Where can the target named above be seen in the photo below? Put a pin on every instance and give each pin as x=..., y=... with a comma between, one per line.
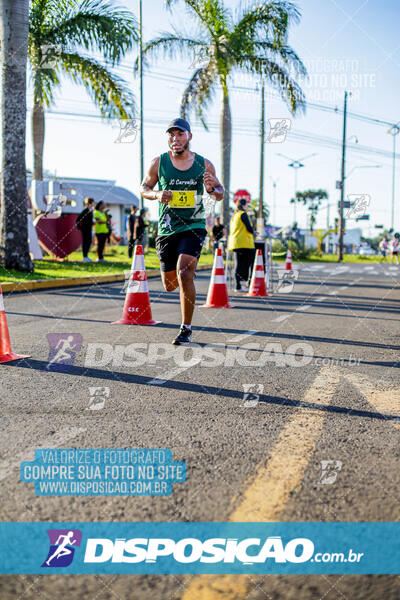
x=260, y=220
x=141, y=99
x=343, y=177
x=395, y=130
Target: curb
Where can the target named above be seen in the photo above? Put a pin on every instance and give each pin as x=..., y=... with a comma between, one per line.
x=48, y=284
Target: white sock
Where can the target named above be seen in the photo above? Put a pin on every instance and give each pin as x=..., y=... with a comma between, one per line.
x=187, y=326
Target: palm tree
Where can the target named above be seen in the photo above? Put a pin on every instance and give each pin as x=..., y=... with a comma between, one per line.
x=60, y=32
x=254, y=41
x=313, y=198
x=14, y=250
x=320, y=235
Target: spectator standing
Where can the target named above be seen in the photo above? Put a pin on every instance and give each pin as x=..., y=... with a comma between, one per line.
x=241, y=242
x=218, y=232
x=131, y=230
x=101, y=229
x=84, y=223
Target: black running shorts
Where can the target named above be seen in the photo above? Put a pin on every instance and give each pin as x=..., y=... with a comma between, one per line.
x=169, y=247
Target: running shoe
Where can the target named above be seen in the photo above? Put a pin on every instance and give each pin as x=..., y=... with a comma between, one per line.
x=183, y=337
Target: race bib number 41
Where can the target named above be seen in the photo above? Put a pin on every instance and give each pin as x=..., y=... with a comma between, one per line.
x=183, y=199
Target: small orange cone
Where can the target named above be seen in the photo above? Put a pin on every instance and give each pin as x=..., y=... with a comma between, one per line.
x=6, y=354
x=137, y=309
x=288, y=263
x=257, y=284
x=217, y=296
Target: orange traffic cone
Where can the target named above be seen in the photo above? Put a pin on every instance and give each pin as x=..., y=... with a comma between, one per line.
x=288, y=263
x=137, y=309
x=217, y=296
x=6, y=354
x=257, y=284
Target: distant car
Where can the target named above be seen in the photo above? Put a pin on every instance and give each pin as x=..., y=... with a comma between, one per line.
x=366, y=251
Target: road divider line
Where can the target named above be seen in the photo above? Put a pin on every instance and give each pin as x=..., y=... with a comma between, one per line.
x=304, y=307
x=320, y=299
x=54, y=441
x=269, y=489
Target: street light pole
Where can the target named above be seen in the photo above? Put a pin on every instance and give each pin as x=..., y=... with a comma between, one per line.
x=296, y=164
x=260, y=220
x=393, y=131
x=141, y=99
x=274, y=182
x=343, y=177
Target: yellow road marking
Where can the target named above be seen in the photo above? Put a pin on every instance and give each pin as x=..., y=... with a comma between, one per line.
x=267, y=492
x=387, y=402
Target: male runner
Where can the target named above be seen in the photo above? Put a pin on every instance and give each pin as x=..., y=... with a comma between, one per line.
x=181, y=227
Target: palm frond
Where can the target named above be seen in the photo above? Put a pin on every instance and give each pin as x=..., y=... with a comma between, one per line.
x=281, y=80
x=199, y=93
x=211, y=14
x=107, y=90
x=95, y=25
x=289, y=57
x=172, y=46
x=271, y=18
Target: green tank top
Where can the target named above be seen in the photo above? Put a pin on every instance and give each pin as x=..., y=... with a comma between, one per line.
x=175, y=220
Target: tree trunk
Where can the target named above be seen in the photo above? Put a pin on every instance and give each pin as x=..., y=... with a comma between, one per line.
x=37, y=140
x=14, y=248
x=226, y=140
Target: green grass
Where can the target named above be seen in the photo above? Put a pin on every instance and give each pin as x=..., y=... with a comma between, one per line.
x=116, y=257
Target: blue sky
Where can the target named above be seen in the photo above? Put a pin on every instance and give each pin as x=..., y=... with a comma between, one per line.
x=346, y=44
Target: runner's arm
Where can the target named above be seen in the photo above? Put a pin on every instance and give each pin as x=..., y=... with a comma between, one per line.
x=211, y=181
x=150, y=180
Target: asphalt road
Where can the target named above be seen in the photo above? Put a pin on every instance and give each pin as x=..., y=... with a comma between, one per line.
x=329, y=390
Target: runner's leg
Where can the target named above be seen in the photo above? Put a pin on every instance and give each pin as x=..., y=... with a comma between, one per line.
x=169, y=280
x=186, y=271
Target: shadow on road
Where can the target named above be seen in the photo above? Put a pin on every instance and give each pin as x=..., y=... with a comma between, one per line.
x=194, y=388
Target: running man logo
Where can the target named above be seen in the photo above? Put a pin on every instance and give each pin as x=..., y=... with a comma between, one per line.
x=278, y=129
x=251, y=394
x=63, y=347
x=128, y=130
x=62, y=547
x=358, y=205
x=329, y=471
x=286, y=281
x=98, y=397
x=49, y=55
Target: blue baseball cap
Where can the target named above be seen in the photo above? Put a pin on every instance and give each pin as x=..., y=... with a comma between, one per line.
x=179, y=123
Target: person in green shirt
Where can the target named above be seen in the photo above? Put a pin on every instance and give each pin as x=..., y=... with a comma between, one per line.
x=182, y=176
x=100, y=229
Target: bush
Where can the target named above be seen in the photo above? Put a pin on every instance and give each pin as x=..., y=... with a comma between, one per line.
x=299, y=252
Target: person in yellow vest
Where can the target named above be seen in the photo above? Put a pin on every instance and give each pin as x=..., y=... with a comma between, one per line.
x=100, y=229
x=241, y=242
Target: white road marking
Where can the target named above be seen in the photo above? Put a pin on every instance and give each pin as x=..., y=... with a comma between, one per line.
x=320, y=299
x=167, y=376
x=304, y=307
x=242, y=336
x=281, y=318
x=333, y=292
x=54, y=441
